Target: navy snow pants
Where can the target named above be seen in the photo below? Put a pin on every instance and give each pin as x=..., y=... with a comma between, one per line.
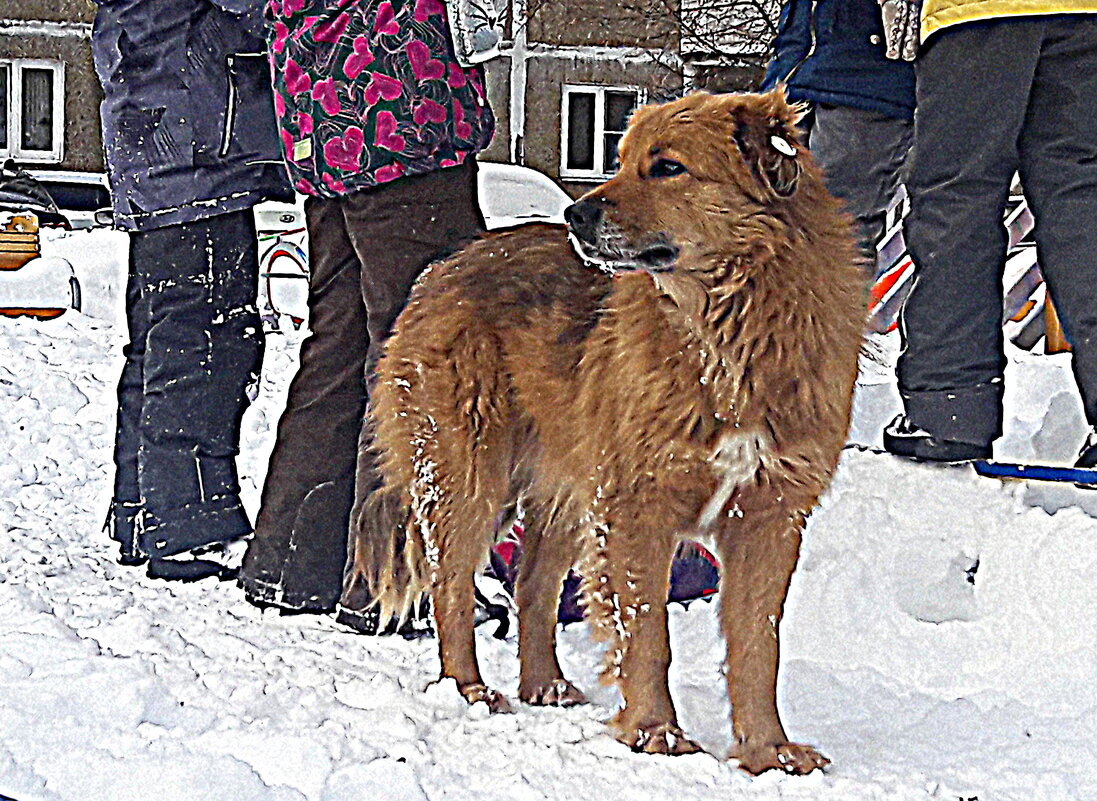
x=196, y=344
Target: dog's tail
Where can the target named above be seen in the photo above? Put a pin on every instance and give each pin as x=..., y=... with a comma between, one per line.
x=388, y=569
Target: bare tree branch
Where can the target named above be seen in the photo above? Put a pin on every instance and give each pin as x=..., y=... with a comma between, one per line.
x=680, y=35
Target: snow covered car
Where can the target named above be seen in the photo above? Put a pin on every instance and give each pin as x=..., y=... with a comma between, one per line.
x=31, y=284
x=509, y=194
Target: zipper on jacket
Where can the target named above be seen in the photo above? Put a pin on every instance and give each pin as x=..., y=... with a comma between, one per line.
x=232, y=100
x=811, y=47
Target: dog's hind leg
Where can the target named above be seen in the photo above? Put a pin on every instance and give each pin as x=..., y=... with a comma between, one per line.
x=460, y=535
x=469, y=459
x=626, y=587
x=549, y=547
x=758, y=556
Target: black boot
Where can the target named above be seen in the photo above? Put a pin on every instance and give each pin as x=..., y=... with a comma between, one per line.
x=220, y=559
x=1087, y=457
x=904, y=438
x=183, y=568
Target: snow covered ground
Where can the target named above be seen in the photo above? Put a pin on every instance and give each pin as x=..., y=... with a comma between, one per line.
x=940, y=640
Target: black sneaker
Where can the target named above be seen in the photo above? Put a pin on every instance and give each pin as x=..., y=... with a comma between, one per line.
x=904, y=438
x=368, y=621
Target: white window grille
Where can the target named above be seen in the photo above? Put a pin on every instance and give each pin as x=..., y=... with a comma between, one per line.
x=593, y=119
x=32, y=110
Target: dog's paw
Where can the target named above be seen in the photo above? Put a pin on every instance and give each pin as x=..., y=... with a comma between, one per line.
x=663, y=738
x=789, y=757
x=496, y=701
x=558, y=692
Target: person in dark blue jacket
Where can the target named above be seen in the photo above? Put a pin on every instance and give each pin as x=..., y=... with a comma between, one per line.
x=831, y=55
x=191, y=146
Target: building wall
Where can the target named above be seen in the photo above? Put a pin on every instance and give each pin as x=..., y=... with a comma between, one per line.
x=497, y=72
x=49, y=10
x=599, y=22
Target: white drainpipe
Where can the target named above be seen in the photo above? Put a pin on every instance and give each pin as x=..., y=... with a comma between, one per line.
x=518, y=80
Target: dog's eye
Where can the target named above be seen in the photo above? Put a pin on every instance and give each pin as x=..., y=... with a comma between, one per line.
x=667, y=168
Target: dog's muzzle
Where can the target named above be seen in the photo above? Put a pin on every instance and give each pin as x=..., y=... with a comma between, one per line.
x=585, y=217
x=599, y=242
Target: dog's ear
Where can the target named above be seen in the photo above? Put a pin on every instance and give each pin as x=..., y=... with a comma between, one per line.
x=768, y=144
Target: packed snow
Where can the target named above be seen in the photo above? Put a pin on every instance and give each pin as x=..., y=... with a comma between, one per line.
x=940, y=640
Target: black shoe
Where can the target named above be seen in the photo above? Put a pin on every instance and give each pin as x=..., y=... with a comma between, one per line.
x=368, y=621
x=904, y=438
x=132, y=557
x=363, y=621
x=228, y=555
x=1087, y=457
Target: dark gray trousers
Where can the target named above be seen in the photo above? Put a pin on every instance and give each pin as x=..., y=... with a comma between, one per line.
x=994, y=98
x=365, y=251
x=863, y=154
x=196, y=343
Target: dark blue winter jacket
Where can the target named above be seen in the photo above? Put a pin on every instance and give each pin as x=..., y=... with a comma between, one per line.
x=832, y=51
x=188, y=114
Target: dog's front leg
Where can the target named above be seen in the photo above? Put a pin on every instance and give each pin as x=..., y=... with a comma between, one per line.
x=546, y=557
x=454, y=606
x=758, y=558
x=626, y=598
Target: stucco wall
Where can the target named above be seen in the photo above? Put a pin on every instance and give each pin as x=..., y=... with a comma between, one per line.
x=50, y=10
x=599, y=22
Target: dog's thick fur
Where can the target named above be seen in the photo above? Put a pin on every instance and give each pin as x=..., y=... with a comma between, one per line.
x=690, y=375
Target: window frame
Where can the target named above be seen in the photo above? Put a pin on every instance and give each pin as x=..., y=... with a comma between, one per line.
x=599, y=133
x=14, y=101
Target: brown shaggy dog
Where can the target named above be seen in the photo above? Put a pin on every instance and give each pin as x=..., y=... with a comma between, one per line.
x=688, y=375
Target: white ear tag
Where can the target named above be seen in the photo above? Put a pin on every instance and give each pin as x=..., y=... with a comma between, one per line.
x=782, y=146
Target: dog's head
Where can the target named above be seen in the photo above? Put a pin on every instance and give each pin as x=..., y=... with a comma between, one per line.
x=695, y=175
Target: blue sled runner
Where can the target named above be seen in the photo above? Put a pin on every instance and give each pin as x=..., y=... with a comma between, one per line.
x=1035, y=472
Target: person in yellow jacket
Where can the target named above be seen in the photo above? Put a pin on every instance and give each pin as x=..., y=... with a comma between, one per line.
x=1003, y=86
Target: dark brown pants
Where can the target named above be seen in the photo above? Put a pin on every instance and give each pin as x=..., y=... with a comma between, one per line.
x=366, y=249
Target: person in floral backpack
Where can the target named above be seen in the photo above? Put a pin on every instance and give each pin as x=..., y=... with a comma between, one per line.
x=380, y=127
